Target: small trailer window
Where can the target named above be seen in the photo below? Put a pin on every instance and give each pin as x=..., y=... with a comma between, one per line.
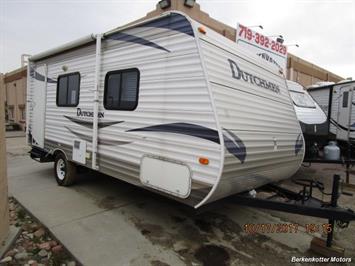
x=121, y=89
x=345, y=99
x=68, y=87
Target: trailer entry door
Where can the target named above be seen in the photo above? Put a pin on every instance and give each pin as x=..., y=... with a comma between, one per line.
x=38, y=106
x=344, y=112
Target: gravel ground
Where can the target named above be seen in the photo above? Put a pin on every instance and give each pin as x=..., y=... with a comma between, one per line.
x=34, y=246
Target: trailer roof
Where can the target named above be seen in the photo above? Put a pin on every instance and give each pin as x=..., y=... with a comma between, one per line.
x=89, y=39
x=330, y=85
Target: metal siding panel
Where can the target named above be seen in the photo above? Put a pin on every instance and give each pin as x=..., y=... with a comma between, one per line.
x=257, y=116
x=172, y=90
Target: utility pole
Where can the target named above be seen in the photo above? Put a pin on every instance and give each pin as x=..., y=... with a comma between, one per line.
x=4, y=206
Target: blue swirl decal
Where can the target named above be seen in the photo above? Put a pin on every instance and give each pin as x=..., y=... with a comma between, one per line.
x=120, y=36
x=299, y=144
x=34, y=74
x=183, y=128
x=174, y=22
x=235, y=145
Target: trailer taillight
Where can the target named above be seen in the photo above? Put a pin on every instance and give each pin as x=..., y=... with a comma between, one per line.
x=204, y=161
x=202, y=30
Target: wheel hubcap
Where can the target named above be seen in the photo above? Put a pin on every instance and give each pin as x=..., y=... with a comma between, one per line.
x=61, y=169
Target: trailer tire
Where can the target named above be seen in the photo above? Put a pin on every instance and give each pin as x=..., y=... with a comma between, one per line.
x=64, y=170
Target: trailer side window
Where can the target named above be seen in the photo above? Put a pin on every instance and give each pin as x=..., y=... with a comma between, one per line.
x=68, y=87
x=121, y=89
x=345, y=99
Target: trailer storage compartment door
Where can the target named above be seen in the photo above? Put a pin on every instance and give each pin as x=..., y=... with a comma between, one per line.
x=37, y=104
x=168, y=176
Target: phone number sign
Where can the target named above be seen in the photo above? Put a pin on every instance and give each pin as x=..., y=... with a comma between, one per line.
x=263, y=46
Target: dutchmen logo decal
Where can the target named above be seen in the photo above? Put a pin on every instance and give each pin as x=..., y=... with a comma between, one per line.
x=299, y=144
x=234, y=145
x=80, y=112
x=89, y=122
x=239, y=74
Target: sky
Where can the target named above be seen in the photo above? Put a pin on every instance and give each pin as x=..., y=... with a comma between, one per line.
x=323, y=29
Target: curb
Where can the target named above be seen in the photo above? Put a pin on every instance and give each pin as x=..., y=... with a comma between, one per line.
x=14, y=233
x=49, y=231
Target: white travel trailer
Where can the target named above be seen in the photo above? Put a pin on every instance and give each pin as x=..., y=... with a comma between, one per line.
x=166, y=104
x=312, y=118
x=337, y=100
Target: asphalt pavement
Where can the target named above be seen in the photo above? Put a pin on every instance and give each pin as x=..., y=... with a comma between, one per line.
x=104, y=221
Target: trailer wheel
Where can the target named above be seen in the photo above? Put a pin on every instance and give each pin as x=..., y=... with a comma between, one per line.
x=64, y=171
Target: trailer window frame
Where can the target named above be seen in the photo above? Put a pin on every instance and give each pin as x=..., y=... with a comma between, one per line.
x=345, y=97
x=67, y=87
x=122, y=71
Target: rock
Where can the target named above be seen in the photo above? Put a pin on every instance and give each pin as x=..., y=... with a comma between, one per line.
x=21, y=249
x=12, y=206
x=28, y=245
x=57, y=249
x=39, y=233
x=27, y=227
x=30, y=262
x=179, y=246
x=30, y=236
x=43, y=253
x=34, y=227
x=71, y=263
x=6, y=259
x=11, y=253
x=53, y=243
x=45, y=245
x=21, y=256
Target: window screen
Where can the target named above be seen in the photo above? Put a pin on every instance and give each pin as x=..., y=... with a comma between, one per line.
x=121, y=89
x=68, y=88
x=345, y=99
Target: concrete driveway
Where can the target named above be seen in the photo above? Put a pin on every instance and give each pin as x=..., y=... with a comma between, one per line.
x=104, y=221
